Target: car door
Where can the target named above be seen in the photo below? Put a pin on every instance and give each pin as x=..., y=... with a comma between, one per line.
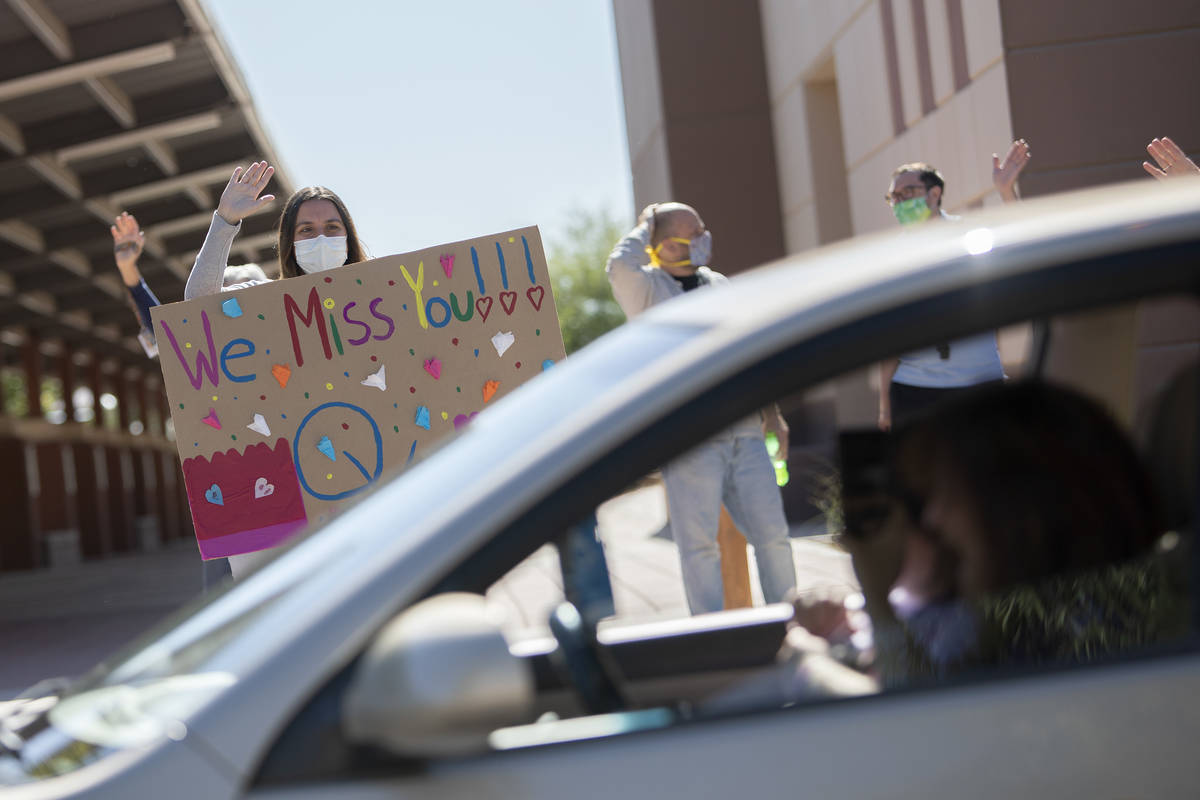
x=1045, y=730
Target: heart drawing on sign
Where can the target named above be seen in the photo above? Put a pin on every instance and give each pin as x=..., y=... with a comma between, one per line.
x=463, y=419
x=434, y=367
x=447, y=264
x=509, y=301
x=213, y=495
x=484, y=308
x=263, y=489
x=539, y=292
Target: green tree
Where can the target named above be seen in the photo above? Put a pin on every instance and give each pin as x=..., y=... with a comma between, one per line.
x=586, y=308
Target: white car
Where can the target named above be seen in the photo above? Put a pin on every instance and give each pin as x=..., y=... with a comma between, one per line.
x=364, y=662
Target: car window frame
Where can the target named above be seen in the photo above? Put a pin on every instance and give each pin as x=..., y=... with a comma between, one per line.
x=1070, y=286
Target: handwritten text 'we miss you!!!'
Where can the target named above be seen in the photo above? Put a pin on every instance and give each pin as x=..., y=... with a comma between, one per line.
x=369, y=322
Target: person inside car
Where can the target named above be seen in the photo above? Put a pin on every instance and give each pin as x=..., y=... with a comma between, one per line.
x=1019, y=528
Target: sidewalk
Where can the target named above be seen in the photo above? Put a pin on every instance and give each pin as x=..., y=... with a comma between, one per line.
x=62, y=622
x=643, y=566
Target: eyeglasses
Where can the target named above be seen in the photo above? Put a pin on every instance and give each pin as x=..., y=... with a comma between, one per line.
x=903, y=193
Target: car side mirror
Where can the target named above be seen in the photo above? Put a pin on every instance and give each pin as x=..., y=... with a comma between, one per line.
x=437, y=680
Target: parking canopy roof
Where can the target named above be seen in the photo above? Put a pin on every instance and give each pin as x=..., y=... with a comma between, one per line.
x=110, y=106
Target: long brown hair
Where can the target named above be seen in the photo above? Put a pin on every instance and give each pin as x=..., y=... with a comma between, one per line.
x=288, y=268
x=1056, y=484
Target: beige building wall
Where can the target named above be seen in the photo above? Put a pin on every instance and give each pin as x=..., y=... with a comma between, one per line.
x=885, y=116
x=854, y=88
x=645, y=127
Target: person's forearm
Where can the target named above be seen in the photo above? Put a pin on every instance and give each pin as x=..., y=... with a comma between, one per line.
x=145, y=300
x=887, y=371
x=130, y=274
x=626, y=268
x=209, y=269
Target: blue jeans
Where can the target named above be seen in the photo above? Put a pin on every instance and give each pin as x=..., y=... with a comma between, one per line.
x=736, y=471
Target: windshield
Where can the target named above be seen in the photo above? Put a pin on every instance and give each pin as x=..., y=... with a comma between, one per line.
x=196, y=653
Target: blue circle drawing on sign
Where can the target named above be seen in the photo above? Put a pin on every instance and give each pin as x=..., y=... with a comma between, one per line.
x=368, y=477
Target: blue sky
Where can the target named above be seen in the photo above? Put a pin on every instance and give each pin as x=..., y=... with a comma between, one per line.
x=440, y=121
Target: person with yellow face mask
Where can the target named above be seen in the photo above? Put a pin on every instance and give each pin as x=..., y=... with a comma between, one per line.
x=665, y=255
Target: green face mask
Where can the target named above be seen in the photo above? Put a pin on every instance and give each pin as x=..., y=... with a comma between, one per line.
x=911, y=211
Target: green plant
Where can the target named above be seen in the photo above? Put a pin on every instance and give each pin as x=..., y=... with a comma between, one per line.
x=586, y=308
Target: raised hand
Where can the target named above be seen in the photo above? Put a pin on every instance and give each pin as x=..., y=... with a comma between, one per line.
x=1172, y=161
x=128, y=243
x=1004, y=174
x=241, y=196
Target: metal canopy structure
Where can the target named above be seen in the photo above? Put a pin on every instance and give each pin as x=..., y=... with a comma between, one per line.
x=105, y=106
x=119, y=105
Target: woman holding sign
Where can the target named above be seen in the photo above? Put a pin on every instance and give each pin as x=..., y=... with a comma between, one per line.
x=316, y=231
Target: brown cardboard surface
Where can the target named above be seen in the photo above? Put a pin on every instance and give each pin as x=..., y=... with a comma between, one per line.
x=292, y=397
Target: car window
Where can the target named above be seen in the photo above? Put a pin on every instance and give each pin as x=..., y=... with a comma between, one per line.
x=955, y=611
x=1130, y=367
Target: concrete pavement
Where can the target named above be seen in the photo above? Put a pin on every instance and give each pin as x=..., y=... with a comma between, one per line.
x=64, y=621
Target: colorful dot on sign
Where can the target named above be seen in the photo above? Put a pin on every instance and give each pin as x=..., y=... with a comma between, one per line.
x=345, y=427
x=329, y=280
x=477, y=352
x=404, y=307
x=454, y=341
x=358, y=281
x=347, y=374
x=233, y=436
x=195, y=444
x=518, y=365
x=374, y=358
x=328, y=302
x=187, y=345
x=284, y=416
x=412, y=352
x=306, y=395
x=262, y=397
x=260, y=316
x=395, y=405
x=435, y=283
x=329, y=387
x=391, y=283
x=328, y=476
x=185, y=322
x=181, y=405
x=412, y=390
x=458, y=388
x=235, y=397
x=396, y=428
x=511, y=240
x=214, y=397
x=268, y=352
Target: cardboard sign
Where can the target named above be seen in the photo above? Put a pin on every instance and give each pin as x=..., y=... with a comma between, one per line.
x=291, y=397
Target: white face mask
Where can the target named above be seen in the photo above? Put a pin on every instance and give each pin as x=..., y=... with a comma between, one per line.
x=321, y=253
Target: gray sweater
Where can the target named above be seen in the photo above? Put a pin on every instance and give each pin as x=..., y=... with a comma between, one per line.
x=208, y=273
